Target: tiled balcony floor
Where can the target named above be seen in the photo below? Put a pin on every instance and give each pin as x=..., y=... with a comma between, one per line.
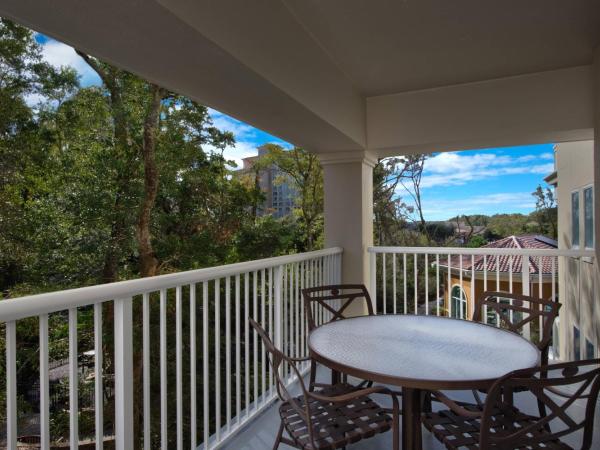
x=260, y=433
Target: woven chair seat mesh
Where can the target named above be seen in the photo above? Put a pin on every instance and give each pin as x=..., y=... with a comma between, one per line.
x=335, y=425
x=458, y=432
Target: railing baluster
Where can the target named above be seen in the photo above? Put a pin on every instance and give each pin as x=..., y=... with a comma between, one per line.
x=270, y=287
x=263, y=323
x=123, y=374
x=205, y=363
x=302, y=315
x=510, y=283
x=247, y=341
x=228, y=353
x=179, y=367
x=292, y=309
x=146, y=368
x=44, y=385
x=394, y=283
x=217, y=295
x=540, y=292
x=383, y=276
x=255, y=335
x=473, y=281
x=437, y=284
x=449, y=290
x=299, y=301
x=497, y=287
x=416, y=281
x=426, y=285
x=405, y=287
x=163, y=370
x=485, y=287
x=283, y=325
x=460, y=295
x=525, y=290
x=238, y=352
x=193, y=394
x=373, y=281
x=11, y=385
x=74, y=381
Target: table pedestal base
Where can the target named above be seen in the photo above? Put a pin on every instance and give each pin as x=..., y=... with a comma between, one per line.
x=411, y=419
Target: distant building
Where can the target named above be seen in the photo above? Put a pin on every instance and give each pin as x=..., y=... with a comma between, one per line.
x=470, y=276
x=573, y=180
x=280, y=195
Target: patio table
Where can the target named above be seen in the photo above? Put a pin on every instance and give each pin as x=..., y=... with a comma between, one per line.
x=420, y=353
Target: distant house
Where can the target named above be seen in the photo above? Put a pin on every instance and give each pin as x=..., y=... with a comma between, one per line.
x=469, y=276
x=279, y=192
x=464, y=231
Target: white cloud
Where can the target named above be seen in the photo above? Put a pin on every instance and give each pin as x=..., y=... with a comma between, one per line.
x=241, y=149
x=453, y=169
x=60, y=55
x=224, y=122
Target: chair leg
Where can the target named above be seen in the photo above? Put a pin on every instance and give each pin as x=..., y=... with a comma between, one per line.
x=279, y=435
x=313, y=376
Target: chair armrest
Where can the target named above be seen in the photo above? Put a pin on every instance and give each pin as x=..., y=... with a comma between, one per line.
x=454, y=406
x=302, y=359
x=352, y=395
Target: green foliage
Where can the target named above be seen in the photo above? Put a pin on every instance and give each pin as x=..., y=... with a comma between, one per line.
x=477, y=241
x=72, y=184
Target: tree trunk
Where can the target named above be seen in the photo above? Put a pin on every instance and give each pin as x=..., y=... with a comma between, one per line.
x=148, y=260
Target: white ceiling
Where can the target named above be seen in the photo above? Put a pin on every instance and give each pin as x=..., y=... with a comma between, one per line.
x=315, y=72
x=389, y=46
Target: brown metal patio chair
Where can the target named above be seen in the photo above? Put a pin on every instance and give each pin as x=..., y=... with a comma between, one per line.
x=333, y=300
x=333, y=417
x=565, y=389
x=522, y=310
x=514, y=315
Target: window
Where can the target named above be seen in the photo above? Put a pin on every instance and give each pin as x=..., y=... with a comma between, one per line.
x=588, y=217
x=459, y=303
x=576, y=353
x=575, y=219
x=589, y=350
x=511, y=316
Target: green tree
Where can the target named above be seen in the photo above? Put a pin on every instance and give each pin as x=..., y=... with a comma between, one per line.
x=546, y=213
x=306, y=175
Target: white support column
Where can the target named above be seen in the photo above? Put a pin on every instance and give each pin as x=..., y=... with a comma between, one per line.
x=348, y=186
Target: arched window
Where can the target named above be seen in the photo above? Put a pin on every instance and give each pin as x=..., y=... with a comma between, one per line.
x=459, y=303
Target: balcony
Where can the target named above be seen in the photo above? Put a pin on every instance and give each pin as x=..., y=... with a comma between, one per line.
x=179, y=347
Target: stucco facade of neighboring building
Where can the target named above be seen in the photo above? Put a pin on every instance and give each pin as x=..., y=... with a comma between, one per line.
x=481, y=274
x=578, y=329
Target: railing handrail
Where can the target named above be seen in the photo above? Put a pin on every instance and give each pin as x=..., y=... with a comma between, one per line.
x=485, y=251
x=34, y=305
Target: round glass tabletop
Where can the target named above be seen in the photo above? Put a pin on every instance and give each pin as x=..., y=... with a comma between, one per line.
x=427, y=352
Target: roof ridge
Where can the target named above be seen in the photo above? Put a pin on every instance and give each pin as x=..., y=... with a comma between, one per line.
x=516, y=241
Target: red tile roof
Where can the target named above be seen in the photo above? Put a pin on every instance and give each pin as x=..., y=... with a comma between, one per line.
x=479, y=262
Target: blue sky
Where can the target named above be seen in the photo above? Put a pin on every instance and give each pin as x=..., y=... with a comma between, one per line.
x=486, y=181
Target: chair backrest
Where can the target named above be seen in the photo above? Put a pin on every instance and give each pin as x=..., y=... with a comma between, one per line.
x=565, y=390
x=335, y=299
x=516, y=310
x=276, y=358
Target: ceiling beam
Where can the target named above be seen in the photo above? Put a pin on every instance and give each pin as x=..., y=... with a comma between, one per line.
x=543, y=107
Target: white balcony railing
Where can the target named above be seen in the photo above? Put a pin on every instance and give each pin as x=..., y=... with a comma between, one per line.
x=229, y=379
x=446, y=281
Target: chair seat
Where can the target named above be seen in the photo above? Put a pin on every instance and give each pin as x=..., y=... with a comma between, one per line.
x=335, y=425
x=457, y=432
